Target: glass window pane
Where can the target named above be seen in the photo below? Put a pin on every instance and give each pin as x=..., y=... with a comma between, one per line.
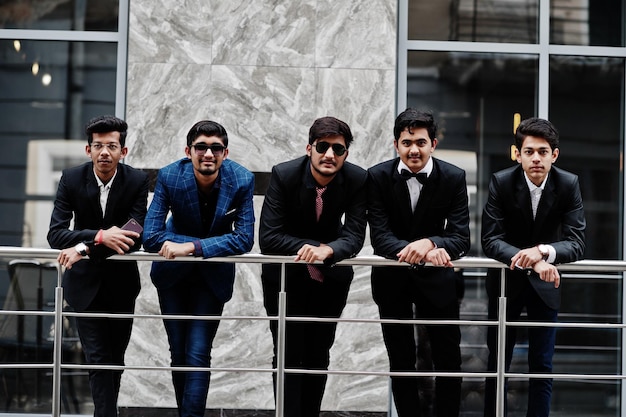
x=60, y=15
x=512, y=21
x=48, y=91
x=475, y=97
x=593, y=23
x=586, y=105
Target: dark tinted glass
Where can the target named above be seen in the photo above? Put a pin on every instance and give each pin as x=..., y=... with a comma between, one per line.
x=60, y=14
x=593, y=23
x=475, y=98
x=586, y=96
x=48, y=91
x=513, y=21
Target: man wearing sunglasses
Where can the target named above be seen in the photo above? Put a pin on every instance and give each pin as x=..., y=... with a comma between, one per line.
x=314, y=210
x=210, y=201
x=418, y=213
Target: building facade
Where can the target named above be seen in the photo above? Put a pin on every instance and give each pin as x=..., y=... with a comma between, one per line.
x=266, y=69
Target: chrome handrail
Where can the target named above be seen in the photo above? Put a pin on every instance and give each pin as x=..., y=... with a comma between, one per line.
x=7, y=252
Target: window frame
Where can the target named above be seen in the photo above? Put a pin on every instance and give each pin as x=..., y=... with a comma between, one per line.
x=544, y=50
x=120, y=38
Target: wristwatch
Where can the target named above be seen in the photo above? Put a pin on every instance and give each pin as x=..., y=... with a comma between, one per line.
x=81, y=248
x=543, y=249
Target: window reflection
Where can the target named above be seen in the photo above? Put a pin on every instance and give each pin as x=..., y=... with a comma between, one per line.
x=513, y=21
x=60, y=14
x=475, y=97
x=572, y=22
x=36, y=109
x=586, y=96
x=595, y=23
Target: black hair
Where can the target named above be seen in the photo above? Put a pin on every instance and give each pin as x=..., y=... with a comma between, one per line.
x=106, y=124
x=413, y=118
x=207, y=128
x=537, y=127
x=330, y=126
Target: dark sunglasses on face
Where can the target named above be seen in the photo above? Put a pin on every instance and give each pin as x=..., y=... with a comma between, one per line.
x=216, y=148
x=338, y=149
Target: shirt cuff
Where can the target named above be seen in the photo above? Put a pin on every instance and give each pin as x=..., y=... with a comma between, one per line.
x=551, y=254
x=197, y=248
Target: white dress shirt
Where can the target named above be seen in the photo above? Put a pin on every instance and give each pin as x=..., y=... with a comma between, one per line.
x=104, y=191
x=535, y=196
x=415, y=187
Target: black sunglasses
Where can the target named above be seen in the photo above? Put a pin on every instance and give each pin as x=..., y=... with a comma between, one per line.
x=338, y=149
x=216, y=148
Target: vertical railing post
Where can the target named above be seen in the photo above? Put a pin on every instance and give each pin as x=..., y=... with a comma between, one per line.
x=57, y=349
x=501, y=363
x=280, y=349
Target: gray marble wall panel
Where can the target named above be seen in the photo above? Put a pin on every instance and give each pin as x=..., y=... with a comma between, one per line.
x=265, y=70
x=356, y=34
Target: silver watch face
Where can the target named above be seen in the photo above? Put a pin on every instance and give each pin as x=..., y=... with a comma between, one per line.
x=81, y=248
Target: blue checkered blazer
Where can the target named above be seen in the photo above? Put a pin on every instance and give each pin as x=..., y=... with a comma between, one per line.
x=232, y=230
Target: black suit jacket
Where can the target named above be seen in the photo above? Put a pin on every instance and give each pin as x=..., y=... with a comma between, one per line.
x=508, y=226
x=78, y=197
x=441, y=215
x=288, y=215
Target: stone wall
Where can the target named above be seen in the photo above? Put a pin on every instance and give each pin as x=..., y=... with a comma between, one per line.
x=265, y=70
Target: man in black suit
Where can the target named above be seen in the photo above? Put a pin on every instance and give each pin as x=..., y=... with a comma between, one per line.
x=303, y=215
x=533, y=219
x=101, y=196
x=418, y=213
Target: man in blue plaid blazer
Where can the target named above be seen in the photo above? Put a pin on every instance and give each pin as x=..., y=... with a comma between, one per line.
x=210, y=200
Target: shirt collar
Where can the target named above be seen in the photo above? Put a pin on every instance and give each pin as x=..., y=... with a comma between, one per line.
x=426, y=170
x=101, y=184
x=532, y=186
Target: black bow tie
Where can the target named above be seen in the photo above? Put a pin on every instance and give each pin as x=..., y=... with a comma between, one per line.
x=421, y=176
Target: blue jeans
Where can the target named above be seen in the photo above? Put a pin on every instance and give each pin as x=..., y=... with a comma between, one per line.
x=190, y=340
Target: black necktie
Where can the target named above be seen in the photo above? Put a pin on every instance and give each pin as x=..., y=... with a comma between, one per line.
x=421, y=176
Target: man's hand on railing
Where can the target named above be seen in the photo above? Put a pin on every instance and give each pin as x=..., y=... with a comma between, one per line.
x=310, y=253
x=439, y=257
x=526, y=258
x=415, y=252
x=171, y=250
x=547, y=272
x=69, y=257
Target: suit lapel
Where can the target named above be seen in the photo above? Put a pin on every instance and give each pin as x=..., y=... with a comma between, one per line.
x=93, y=191
x=522, y=198
x=427, y=192
x=117, y=188
x=224, y=196
x=426, y=195
x=401, y=192
x=188, y=192
x=307, y=195
x=548, y=198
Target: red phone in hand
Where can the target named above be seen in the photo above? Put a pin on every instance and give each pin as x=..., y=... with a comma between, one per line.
x=133, y=225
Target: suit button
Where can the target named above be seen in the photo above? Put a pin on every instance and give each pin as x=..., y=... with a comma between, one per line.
x=528, y=272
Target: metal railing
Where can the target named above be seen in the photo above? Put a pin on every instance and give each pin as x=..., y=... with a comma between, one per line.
x=280, y=370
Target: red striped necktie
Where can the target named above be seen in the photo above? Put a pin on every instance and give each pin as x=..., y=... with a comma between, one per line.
x=314, y=271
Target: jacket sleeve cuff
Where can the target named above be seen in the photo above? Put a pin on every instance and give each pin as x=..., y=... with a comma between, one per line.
x=197, y=248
